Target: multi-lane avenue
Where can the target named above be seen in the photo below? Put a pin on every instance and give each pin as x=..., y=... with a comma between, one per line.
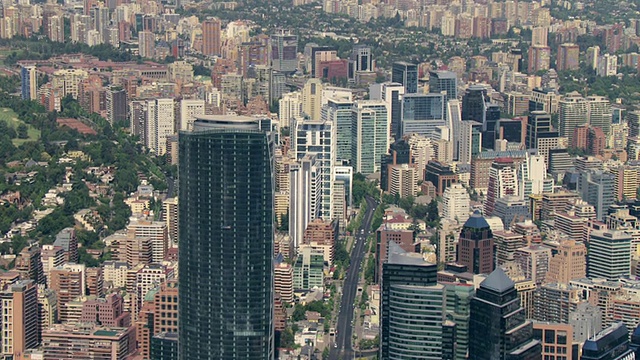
x=342, y=348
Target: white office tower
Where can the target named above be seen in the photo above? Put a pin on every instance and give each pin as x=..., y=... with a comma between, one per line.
x=189, y=110
x=422, y=150
x=600, y=113
x=214, y=97
x=454, y=122
x=312, y=98
x=533, y=176
x=455, y=203
x=289, y=107
x=318, y=138
x=153, y=121
x=607, y=65
x=470, y=142
x=369, y=135
x=304, y=195
x=391, y=94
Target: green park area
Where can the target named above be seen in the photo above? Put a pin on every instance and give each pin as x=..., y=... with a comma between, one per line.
x=11, y=119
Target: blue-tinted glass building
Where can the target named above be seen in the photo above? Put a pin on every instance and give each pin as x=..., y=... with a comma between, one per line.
x=422, y=113
x=225, y=259
x=406, y=74
x=444, y=81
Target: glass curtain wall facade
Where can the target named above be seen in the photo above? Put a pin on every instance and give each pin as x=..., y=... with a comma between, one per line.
x=226, y=240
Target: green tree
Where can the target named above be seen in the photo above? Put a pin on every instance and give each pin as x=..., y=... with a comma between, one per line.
x=23, y=131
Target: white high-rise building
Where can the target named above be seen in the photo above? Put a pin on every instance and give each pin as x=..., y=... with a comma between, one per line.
x=369, y=135
x=290, y=107
x=593, y=56
x=607, y=65
x=600, y=113
x=391, y=94
x=318, y=138
x=454, y=122
x=533, y=177
x=160, y=124
x=422, y=150
x=573, y=111
x=470, y=142
x=304, y=195
x=455, y=203
x=189, y=110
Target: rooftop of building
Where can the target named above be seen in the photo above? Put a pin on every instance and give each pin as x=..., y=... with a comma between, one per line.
x=476, y=221
x=498, y=281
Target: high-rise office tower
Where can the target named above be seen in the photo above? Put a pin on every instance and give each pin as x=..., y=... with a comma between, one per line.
x=454, y=122
x=568, y=57
x=502, y=182
x=422, y=114
x=116, y=104
x=455, y=203
x=609, y=254
x=470, y=143
x=498, y=328
x=458, y=298
x=600, y=113
x=411, y=308
x=101, y=23
x=391, y=93
x=597, y=188
x=538, y=123
x=226, y=240
x=318, y=138
x=406, y=74
x=211, y=33
x=477, y=106
x=573, y=111
x=28, y=82
x=363, y=58
x=20, y=329
x=369, y=135
x=444, y=81
x=284, y=51
x=338, y=112
x=475, y=247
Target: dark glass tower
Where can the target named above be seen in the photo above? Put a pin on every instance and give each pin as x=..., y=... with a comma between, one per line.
x=406, y=74
x=226, y=240
x=498, y=328
x=446, y=81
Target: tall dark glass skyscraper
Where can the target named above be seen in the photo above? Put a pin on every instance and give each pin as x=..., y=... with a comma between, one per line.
x=498, y=328
x=226, y=240
x=406, y=74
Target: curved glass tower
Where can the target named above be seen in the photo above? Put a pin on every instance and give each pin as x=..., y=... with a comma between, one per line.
x=226, y=240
